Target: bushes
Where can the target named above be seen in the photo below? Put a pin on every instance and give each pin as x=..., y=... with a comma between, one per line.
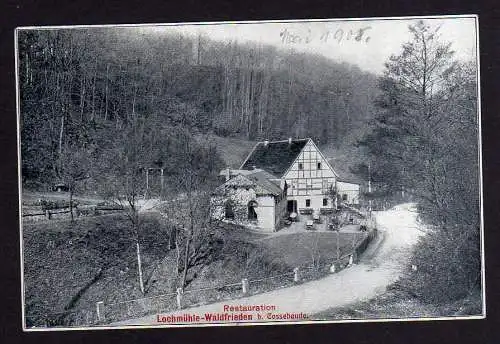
x=448, y=262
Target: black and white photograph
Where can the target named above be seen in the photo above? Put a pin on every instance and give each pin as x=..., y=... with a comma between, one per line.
x=250, y=173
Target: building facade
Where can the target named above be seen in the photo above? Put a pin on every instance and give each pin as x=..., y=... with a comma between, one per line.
x=281, y=177
x=348, y=192
x=251, y=198
x=310, y=180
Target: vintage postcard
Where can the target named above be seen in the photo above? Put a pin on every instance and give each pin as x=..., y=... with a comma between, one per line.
x=247, y=173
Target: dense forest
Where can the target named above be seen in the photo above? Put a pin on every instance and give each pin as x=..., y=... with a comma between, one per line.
x=75, y=82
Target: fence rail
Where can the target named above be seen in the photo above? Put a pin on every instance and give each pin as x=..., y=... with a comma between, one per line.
x=85, y=211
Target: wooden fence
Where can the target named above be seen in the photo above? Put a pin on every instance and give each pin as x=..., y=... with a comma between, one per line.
x=180, y=299
x=105, y=313
x=37, y=213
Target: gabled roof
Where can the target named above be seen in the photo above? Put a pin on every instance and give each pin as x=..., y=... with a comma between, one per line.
x=274, y=157
x=266, y=183
x=261, y=181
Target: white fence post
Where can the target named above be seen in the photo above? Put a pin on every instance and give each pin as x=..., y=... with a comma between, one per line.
x=179, y=297
x=296, y=277
x=100, y=311
x=244, y=285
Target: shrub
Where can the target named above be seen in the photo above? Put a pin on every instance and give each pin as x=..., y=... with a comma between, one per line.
x=448, y=265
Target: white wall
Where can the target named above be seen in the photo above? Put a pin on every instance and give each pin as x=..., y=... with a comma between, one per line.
x=310, y=182
x=316, y=201
x=266, y=216
x=265, y=212
x=349, y=189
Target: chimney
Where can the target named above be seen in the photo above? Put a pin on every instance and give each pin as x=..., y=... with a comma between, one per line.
x=228, y=174
x=289, y=140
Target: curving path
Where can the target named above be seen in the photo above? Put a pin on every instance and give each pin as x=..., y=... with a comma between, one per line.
x=381, y=264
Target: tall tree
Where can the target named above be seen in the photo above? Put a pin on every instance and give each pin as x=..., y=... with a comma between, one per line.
x=412, y=88
x=75, y=167
x=425, y=142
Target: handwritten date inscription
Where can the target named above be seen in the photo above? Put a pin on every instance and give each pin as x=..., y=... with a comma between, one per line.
x=338, y=35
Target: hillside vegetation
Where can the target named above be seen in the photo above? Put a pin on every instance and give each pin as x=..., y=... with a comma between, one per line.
x=78, y=86
x=70, y=266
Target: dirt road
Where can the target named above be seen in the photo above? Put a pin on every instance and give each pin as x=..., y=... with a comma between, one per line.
x=381, y=265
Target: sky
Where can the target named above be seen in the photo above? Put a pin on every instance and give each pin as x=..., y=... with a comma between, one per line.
x=365, y=43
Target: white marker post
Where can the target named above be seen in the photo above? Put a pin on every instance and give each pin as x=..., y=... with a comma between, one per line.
x=244, y=285
x=100, y=311
x=179, y=298
x=296, y=277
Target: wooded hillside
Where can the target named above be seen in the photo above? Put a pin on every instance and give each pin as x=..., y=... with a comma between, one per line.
x=75, y=81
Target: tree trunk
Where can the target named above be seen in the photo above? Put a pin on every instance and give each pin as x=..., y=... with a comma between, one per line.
x=61, y=132
x=186, y=261
x=106, y=94
x=93, y=90
x=82, y=97
x=71, y=202
x=178, y=257
x=139, y=266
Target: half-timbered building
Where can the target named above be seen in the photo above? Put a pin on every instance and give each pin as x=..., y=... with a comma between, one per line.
x=308, y=175
x=302, y=181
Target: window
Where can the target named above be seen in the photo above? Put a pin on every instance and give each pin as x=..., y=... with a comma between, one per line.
x=344, y=197
x=301, y=167
x=319, y=165
x=325, y=202
x=308, y=202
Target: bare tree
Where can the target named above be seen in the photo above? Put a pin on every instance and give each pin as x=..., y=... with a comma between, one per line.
x=75, y=167
x=190, y=211
x=121, y=177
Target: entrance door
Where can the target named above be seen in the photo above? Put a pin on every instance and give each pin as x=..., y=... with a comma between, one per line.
x=291, y=206
x=252, y=214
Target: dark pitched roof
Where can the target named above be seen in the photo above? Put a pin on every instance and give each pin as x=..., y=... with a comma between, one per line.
x=259, y=181
x=274, y=157
x=266, y=183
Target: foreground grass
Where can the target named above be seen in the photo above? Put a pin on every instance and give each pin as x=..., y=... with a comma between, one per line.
x=299, y=249
x=69, y=267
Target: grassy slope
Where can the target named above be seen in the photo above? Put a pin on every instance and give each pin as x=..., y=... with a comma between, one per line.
x=62, y=260
x=399, y=305
x=297, y=249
